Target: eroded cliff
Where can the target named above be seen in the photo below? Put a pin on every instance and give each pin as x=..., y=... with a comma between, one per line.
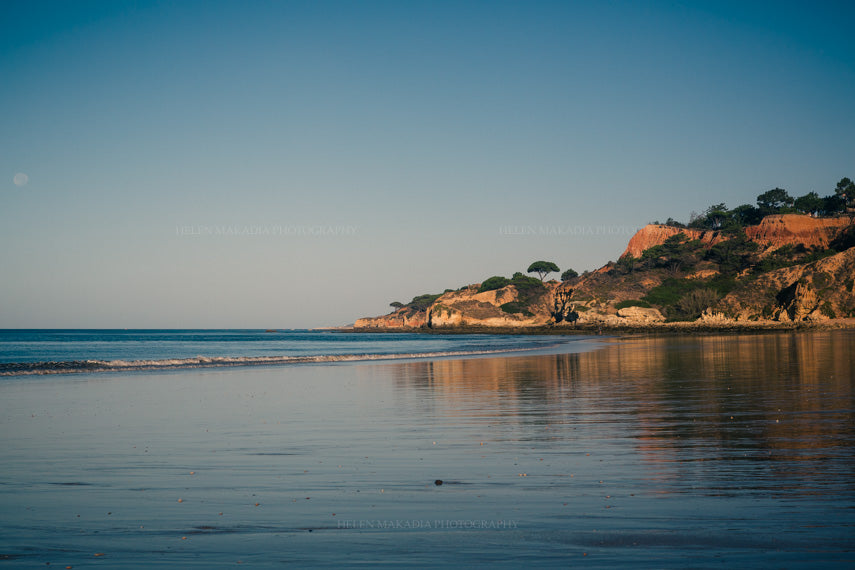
x=471, y=308
x=655, y=234
x=809, y=281
x=815, y=291
x=771, y=233
x=774, y=232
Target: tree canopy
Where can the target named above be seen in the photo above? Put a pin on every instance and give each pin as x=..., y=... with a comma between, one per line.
x=493, y=283
x=810, y=203
x=569, y=274
x=542, y=268
x=774, y=200
x=422, y=302
x=846, y=191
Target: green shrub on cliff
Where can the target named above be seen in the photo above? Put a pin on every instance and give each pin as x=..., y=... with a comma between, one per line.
x=669, y=292
x=569, y=274
x=691, y=305
x=422, y=302
x=844, y=240
x=493, y=283
x=514, y=307
x=529, y=290
x=734, y=254
x=524, y=283
x=677, y=253
x=788, y=256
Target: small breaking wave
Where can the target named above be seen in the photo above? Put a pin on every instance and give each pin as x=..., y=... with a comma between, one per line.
x=83, y=366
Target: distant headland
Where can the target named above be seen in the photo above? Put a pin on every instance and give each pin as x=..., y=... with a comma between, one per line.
x=784, y=263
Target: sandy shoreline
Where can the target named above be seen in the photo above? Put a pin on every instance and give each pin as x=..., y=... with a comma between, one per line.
x=635, y=328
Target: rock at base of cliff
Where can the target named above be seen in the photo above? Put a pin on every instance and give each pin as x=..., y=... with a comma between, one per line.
x=641, y=314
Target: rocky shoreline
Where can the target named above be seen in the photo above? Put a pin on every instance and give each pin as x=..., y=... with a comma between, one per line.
x=680, y=327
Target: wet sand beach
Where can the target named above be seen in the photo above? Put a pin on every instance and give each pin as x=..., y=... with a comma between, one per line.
x=703, y=451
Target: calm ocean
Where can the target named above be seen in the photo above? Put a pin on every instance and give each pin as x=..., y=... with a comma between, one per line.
x=64, y=351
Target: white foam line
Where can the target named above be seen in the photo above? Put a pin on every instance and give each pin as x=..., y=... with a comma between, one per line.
x=81, y=366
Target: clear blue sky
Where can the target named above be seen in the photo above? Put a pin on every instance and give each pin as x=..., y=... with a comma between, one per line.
x=298, y=164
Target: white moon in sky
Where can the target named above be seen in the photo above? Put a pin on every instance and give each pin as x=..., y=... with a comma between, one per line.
x=21, y=179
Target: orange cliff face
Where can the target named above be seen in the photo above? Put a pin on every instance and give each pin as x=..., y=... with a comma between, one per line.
x=655, y=234
x=776, y=231
x=771, y=233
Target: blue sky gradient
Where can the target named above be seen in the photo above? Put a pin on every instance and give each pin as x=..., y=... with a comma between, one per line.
x=299, y=164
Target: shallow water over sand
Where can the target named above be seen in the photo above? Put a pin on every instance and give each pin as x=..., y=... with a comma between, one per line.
x=678, y=451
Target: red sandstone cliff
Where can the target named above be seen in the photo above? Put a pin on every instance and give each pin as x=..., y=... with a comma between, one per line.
x=771, y=233
x=776, y=231
x=655, y=234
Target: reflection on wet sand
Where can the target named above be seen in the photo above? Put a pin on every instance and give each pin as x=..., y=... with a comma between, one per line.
x=687, y=401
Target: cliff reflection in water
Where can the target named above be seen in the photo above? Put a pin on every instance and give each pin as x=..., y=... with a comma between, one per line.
x=686, y=406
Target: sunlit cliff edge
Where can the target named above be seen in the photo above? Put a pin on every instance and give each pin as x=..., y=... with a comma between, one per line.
x=787, y=270
x=771, y=233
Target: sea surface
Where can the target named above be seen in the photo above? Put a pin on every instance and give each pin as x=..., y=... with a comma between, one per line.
x=710, y=451
x=65, y=351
